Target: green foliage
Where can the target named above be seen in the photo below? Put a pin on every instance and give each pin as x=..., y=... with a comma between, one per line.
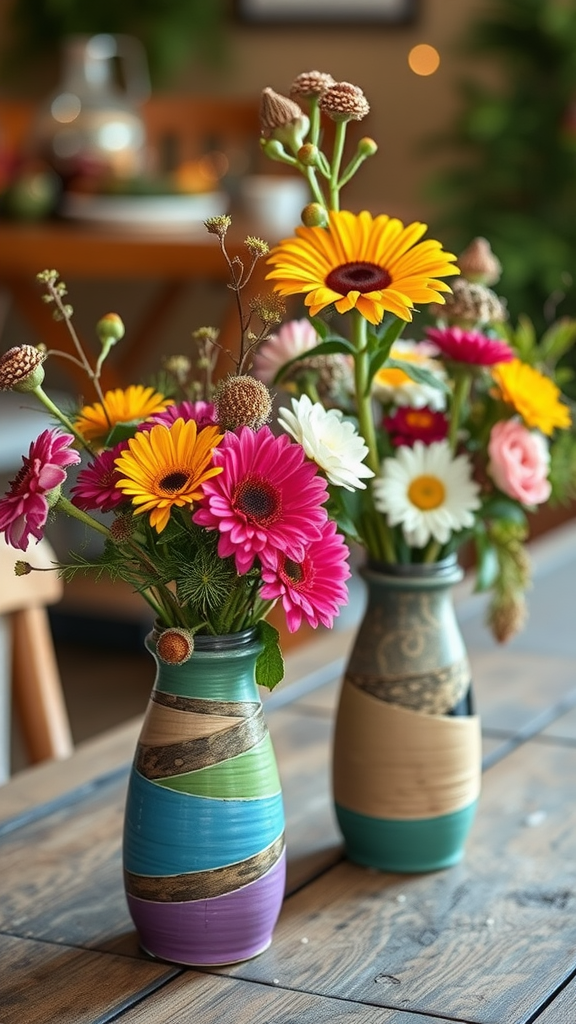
x=512, y=151
x=269, y=664
x=170, y=30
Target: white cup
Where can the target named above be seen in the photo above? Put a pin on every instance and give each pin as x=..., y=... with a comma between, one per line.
x=273, y=202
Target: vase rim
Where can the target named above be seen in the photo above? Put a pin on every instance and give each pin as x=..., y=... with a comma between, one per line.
x=214, y=641
x=446, y=570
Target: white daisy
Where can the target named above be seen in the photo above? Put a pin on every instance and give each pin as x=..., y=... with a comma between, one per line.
x=395, y=387
x=331, y=442
x=294, y=338
x=427, y=491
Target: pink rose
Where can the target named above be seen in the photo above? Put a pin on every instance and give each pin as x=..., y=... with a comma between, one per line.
x=519, y=462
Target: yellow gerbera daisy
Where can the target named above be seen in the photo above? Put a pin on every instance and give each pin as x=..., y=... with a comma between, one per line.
x=130, y=405
x=534, y=396
x=166, y=466
x=369, y=263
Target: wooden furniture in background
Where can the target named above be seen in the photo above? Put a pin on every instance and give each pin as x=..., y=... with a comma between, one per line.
x=179, y=128
x=28, y=667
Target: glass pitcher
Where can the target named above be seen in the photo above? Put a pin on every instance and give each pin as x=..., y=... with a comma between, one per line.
x=91, y=125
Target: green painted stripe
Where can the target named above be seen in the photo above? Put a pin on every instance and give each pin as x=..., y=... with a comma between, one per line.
x=422, y=844
x=250, y=775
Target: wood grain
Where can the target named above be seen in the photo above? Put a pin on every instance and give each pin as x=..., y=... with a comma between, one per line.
x=211, y=1000
x=562, y=1009
x=486, y=941
x=42, y=982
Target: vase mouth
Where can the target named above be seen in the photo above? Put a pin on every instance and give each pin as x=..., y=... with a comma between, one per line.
x=417, y=570
x=211, y=641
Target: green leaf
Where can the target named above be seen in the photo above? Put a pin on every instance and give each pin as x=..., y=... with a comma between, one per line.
x=333, y=345
x=558, y=339
x=419, y=374
x=269, y=663
x=504, y=508
x=487, y=565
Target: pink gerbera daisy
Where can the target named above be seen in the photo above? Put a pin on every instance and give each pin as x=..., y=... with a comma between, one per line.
x=409, y=425
x=268, y=498
x=313, y=587
x=203, y=412
x=24, y=509
x=470, y=346
x=96, y=485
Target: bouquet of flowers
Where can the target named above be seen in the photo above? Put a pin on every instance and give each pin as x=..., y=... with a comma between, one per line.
x=210, y=514
x=465, y=424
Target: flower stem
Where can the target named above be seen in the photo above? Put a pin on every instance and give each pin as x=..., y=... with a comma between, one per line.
x=383, y=546
x=459, y=398
x=337, y=154
x=52, y=408
x=65, y=505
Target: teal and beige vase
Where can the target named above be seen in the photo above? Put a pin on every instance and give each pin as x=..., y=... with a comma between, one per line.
x=407, y=750
x=204, y=852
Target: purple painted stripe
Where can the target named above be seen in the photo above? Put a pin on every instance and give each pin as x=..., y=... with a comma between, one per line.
x=221, y=930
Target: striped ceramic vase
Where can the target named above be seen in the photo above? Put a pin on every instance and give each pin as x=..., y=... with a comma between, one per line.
x=407, y=759
x=204, y=856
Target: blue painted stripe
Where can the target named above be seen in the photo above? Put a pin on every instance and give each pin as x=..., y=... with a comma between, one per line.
x=166, y=832
x=421, y=844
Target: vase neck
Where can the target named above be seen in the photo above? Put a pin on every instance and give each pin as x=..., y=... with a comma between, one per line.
x=225, y=672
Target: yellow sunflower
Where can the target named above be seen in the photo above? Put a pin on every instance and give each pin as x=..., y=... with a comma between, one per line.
x=534, y=396
x=166, y=466
x=130, y=405
x=369, y=263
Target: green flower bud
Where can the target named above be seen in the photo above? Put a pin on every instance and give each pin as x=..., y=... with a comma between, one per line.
x=314, y=216
x=110, y=328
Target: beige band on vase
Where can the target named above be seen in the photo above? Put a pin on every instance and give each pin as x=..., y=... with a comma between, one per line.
x=391, y=762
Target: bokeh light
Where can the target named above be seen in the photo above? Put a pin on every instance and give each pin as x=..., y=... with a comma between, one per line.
x=424, y=59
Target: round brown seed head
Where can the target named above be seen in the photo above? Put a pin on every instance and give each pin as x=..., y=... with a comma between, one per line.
x=21, y=368
x=310, y=84
x=344, y=102
x=174, y=646
x=276, y=111
x=242, y=401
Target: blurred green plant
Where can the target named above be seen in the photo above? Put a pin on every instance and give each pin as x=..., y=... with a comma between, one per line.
x=172, y=31
x=512, y=150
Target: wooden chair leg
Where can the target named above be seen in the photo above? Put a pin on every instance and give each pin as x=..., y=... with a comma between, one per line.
x=37, y=690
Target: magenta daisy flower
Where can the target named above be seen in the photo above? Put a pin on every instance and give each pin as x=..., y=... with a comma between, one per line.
x=268, y=498
x=409, y=425
x=203, y=412
x=313, y=587
x=96, y=487
x=469, y=346
x=24, y=509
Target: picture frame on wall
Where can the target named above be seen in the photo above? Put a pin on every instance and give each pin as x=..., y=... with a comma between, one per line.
x=327, y=12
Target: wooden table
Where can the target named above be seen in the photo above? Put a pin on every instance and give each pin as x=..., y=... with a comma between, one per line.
x=93, y=254
x=490, y=941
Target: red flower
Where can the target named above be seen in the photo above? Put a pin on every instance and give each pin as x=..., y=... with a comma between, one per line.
x=409, y=425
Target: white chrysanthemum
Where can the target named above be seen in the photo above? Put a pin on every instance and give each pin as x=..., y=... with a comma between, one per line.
x=428, y=492
x=294, y=338
x=331, y=442
x=393, y=386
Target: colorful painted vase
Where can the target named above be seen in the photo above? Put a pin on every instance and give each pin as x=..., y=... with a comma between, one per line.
x=407, y=751
x=204, y=853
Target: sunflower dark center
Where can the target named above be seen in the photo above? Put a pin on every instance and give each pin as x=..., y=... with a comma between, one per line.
x=173, y=482
x=258, y=500
x=358, y=277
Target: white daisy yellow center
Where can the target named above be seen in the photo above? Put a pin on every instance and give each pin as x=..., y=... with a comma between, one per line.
x=426, y=492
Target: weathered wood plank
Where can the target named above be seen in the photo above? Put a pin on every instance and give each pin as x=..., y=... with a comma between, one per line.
x=41, y=982
x=561, y=1010
x=487, y=941
x=34, y=786
x=223, y=1000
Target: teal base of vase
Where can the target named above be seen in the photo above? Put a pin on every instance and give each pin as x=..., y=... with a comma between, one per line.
x=424, y=844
